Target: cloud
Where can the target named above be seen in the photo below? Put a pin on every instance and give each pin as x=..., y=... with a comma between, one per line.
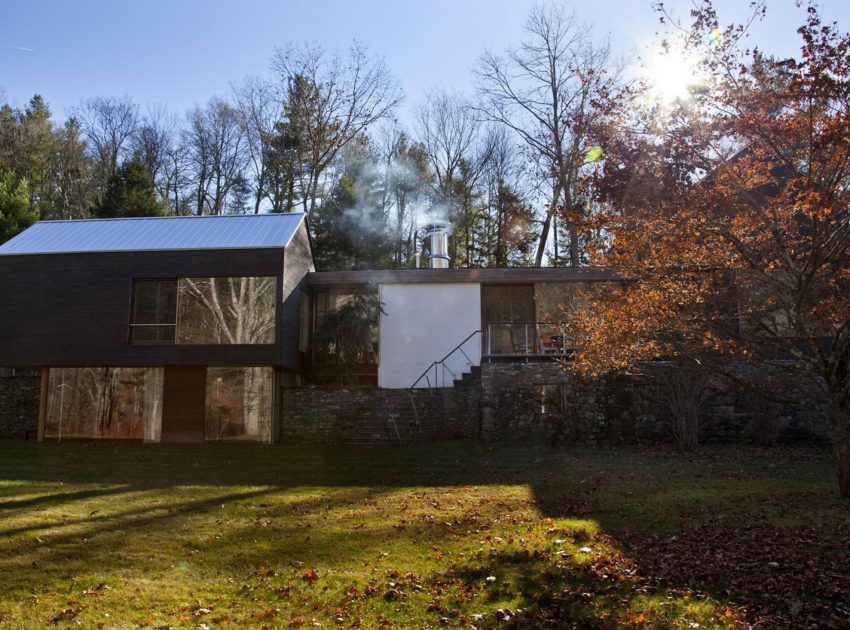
x=24, y=48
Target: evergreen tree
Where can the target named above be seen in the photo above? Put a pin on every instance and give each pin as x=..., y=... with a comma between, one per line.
x=130, y=193
x=16, y=214
x=350, y=228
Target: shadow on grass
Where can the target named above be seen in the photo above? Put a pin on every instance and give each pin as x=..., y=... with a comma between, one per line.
x=630, y=495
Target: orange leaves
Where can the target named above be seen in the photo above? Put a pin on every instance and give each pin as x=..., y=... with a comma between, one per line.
x=311, y=577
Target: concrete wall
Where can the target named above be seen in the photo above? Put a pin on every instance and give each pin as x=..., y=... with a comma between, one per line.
x=421, y=324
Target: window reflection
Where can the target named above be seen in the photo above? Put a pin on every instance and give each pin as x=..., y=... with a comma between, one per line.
x=109, y=403
x=239, y=403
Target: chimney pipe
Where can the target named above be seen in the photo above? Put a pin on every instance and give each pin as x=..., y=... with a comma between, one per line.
x=439, y=257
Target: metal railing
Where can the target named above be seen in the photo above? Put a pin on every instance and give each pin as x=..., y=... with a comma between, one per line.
x=526, y=339
x=440, y=369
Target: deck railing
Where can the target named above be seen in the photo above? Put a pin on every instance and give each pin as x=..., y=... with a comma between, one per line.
x=526, y=339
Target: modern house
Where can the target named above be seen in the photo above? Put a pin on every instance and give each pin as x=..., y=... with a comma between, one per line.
x=192, y=328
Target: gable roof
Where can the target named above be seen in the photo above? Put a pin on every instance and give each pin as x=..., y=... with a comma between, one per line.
x=235, y=231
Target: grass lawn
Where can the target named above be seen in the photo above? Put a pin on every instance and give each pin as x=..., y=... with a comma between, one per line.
x=456, y=534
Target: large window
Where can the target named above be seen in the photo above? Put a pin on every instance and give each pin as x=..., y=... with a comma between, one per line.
x=204, y=311
x=110, y=403
x=239, y=403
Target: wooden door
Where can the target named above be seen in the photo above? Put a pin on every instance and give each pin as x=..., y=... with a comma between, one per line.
x=183, y=406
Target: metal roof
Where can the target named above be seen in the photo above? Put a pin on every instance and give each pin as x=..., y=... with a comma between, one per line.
x=156, y=234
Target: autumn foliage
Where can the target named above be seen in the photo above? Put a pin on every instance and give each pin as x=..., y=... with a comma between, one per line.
x=726, y=216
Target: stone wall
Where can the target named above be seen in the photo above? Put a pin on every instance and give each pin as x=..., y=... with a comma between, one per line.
x=618, y=410
x=364, y=414
x=19, y=406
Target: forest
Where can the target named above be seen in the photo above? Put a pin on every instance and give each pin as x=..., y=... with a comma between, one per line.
x=502, y=166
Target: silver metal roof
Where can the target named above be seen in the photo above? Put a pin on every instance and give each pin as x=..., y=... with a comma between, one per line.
x=156, y=234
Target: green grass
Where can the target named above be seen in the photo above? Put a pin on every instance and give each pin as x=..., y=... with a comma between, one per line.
x=455, y=534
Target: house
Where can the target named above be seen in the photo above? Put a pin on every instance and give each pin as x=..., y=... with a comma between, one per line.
x=157, y=329
x=192, y=328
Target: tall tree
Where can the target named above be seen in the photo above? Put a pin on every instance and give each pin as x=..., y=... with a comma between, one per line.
x=548, y=91
x=729, y=222
x=109, y=125
x=350, y=228
x=16, y=214
x=333, y=100
x=216, y=145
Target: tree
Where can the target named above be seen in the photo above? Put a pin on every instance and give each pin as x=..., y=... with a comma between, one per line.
x=216, y=146
x=16, y=214
x=350, y=229
x=261, y=109
x=109, y=124
x=130, y=193
x=729, y=224
x=549, y=91
x=333, y=100
x=449, y=134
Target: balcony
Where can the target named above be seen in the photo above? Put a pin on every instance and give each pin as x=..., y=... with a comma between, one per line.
x=526, y=341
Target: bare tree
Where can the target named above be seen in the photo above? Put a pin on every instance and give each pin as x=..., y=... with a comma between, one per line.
x=260, y=106
x=215, y=142
x=545, y=91
x=337, y=99
x=109, y=124
x=153, y=142
x=450, y=135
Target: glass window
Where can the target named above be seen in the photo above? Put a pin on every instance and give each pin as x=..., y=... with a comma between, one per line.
x=109, y=403
x=226, y=310
x=303, y=322
x=204, y=311
x=154, y=316
x=239, y=403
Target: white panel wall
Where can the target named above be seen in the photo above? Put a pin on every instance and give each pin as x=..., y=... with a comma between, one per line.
x=422, y=323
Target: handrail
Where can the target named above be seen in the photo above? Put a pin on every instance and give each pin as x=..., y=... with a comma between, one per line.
x=442, y=361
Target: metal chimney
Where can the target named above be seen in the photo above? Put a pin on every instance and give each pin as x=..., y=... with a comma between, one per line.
x=439, y=257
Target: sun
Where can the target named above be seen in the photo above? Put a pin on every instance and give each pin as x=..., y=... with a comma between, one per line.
x=670, y=73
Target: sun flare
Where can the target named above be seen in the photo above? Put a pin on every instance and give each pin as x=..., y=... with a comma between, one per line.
x=670, y=74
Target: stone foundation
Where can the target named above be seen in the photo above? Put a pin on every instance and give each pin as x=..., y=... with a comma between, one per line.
x=19, y=406
x=505, y=406
x=618, y=410
x=368, y=414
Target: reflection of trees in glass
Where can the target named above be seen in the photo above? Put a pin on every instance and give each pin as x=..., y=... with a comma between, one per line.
x=101, y=402
x=239, y=403
x=226, y=310
x=348, y=334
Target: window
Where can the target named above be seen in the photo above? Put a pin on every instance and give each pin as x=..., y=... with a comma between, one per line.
x=550, y=398
x=239, y=403
x=303, y=322
x=204, y=311
x=154, y=319
x=108, y=403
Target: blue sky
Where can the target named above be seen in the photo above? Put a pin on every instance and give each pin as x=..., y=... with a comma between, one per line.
x=182, y=52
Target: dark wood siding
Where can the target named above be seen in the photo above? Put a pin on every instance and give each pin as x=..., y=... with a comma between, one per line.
x=297, y=262
x=74, y=309
x=183, y=404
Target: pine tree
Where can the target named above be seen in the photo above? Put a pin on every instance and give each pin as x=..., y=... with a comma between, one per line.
x=130, y=193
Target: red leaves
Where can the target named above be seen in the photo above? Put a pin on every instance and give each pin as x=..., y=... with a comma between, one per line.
x=786, y=577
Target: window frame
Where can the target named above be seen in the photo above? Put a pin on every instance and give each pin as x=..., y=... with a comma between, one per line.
x=133, y=325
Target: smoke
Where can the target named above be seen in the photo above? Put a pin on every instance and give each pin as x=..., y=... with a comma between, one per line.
x=374, y=207
x=433, y=214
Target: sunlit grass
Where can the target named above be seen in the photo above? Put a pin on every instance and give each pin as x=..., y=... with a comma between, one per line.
x=454, y=534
